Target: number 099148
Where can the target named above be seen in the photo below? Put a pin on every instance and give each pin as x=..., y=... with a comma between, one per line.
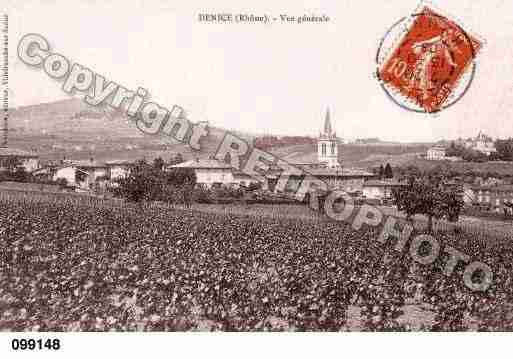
x=35, y=344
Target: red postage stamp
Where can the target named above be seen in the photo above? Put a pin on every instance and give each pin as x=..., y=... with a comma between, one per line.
x=428, y=61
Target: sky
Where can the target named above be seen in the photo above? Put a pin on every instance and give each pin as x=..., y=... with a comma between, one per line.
x=265, y=78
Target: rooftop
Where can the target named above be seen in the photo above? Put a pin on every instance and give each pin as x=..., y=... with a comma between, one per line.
x=203, y=164
x=498, y=188
x=8, y=151
x=382, y=183
x=337, y=172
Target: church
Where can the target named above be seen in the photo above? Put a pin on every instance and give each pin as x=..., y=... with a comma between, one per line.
x=325, y=163
x=322, y=160
x=327, y=145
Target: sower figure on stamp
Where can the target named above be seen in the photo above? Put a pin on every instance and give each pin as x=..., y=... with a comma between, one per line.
x=429, y=50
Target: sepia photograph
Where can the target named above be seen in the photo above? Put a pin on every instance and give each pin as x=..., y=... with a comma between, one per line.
x=249, y=167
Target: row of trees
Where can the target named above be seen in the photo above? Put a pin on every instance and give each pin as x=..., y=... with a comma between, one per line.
x=385, y=172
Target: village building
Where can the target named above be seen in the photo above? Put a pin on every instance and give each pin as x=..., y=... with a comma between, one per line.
x=118, y=169
x=325, y=165
x=28, y=160
x=210, y=172
x=481, y=143
x=436, y=153
x=328, y=166
x=492, y=197
x=84, y=174
x=380, y=189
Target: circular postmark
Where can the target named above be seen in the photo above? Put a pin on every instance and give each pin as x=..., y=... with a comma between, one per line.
x=426, y=62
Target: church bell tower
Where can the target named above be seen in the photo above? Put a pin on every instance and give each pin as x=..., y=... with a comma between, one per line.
x=327, y=145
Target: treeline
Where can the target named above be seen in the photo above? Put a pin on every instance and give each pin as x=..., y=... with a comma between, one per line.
x=449, y=172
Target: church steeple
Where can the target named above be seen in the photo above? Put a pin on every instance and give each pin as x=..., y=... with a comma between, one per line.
x=327, y=145
x=327, y=123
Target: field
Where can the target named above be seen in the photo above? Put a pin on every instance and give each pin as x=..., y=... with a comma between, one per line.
x=77, y=263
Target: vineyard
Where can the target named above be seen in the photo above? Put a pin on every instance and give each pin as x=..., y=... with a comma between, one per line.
x=82, y=263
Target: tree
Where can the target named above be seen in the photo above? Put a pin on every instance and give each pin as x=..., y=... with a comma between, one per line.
x=453, y=150
x=381, y=172
x=141, y=183
x=504, y=149
x=178, y=158
x=388, y=173
x=10, y=163
x=152, y=183
x=158, y=163
x=431, y=196
x=21, y=175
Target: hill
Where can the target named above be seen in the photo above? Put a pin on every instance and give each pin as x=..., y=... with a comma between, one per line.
x=73, y=129
x=356, y=155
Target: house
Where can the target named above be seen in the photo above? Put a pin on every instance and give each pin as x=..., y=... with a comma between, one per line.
x=67, y=172
x=28, y=160
x=94, y=171
x=380, y=189
x=82, y=174
x=242, y=179
x=492, y=197
x=436, y=153
x=118, y=169
x=209, y=171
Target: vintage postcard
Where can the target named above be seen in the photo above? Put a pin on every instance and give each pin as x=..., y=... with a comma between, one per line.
x=340, y=166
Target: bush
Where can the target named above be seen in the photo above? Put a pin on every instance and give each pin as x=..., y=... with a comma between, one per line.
x=152, y=183
x=202, y=194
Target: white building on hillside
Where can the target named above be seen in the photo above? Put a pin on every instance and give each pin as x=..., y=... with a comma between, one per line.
x=481, y=143
x=436, y=153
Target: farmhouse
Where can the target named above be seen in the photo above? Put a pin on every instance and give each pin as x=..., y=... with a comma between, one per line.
x=29, y=161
